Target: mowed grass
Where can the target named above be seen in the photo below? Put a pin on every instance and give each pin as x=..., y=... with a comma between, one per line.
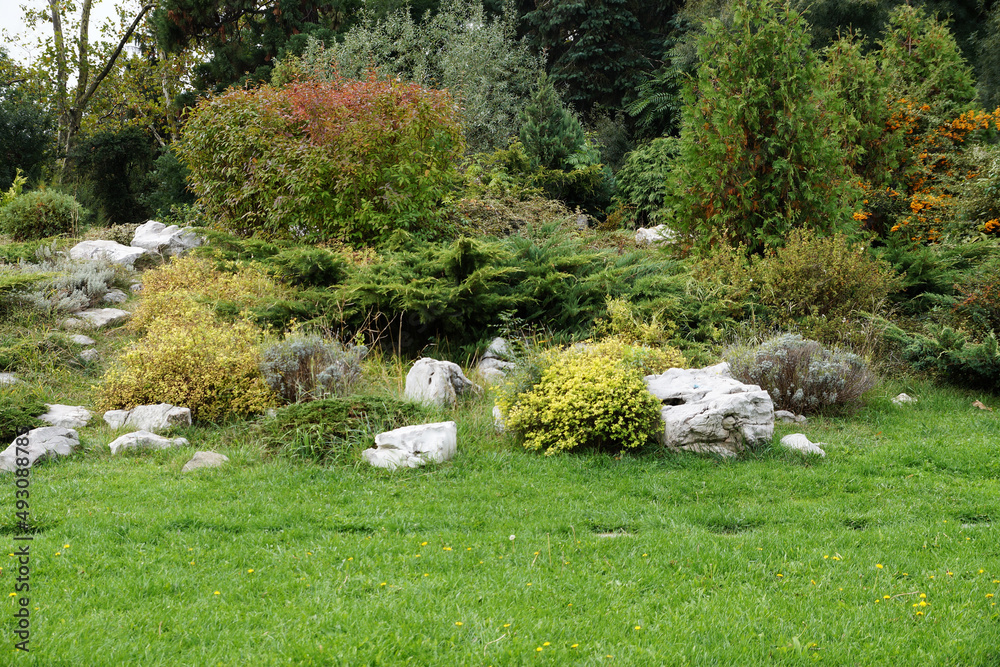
x=887, y=551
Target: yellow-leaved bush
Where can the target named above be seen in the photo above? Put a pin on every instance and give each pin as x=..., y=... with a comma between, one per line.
x=187, y=356
x=583, y=399
x=194, y=361
x=167, y=289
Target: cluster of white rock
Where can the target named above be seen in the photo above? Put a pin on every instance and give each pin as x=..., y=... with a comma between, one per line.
x=61, y=437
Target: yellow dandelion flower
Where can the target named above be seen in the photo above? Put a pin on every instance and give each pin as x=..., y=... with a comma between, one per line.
x=989, y=595
x=539, y=648
x=215, y=593
x=546, y=644
x=574, y=645
x=423, y=544
x=458, y=623
x=250, y=571
x=878, y=565
x=923, y=596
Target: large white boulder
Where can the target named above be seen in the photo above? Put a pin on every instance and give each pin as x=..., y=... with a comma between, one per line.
x=705, y=411
x=144, y=440
x=436, y=382
x=168, y=241
x=96, y=318
x=43, y=443
x=67, y=416
x=413, y=446
x=157, y=417
x=116, y=253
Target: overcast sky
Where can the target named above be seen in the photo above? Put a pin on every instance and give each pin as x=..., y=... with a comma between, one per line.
x=12, y=20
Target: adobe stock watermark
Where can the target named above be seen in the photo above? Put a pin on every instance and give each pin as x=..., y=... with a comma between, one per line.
x=22, y=540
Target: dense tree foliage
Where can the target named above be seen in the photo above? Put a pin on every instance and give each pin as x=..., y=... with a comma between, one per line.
x=760, y=151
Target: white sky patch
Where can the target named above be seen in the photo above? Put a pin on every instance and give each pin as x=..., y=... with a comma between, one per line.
x=12, y=26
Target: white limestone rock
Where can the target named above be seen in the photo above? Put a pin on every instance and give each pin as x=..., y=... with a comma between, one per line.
x=705, y=411
x=498, y=424
x=413, y=446
x=8, y=378
x=494, y=365
x=205, y=460
x=96, y=318
x=90, y=355
x=67, y=416
x=157, y=417
x=43, y=443
x=653, y=235
x=436, y=382
x=787, y=417
x=144, y=440
x=167, y=241
x=116, y=253
x=115, y=296
x=80, y=339
x=498, y=349
x=800, y=443
x=903, y=399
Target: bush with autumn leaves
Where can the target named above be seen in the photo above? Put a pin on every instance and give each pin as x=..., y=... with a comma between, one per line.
x=346, y=159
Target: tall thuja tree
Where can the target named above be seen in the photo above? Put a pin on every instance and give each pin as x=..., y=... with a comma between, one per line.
x=549, y=132
x=760, y=135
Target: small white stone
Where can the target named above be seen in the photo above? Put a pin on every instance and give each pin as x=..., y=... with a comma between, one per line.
x=799, y=442
x=80, y=339
x=43, y=443
x=8, y=378
x=901, y=399
x=205, y=460
x=115, y=296
x=90, y=355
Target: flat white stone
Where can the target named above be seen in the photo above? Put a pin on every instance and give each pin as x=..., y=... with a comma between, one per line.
x=96, y=318
x=800, y=443
x=205, y=460
x=67, y=416
x=43, y=443
x=80, y=339
x=157, y=417
x=8, y=378
x=144, y=440
x=168, y=241
x=902, y=399
x=116, y=253
x=413, y=446
x=90, y=355
x=498, y=424
x=436, y=382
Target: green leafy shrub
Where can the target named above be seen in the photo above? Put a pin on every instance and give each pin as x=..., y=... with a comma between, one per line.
x=549, y=133
x=39, y=214
x=584, y=400
x=642, y=182
x=801, y=375
x=193, y=360
x=825, y=287
x=334, y=430
x=116, y=162
x=307, y=367
x=351, y=160
x=20, y=406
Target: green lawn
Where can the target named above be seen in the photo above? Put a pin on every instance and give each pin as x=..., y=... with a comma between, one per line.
x=503, y=557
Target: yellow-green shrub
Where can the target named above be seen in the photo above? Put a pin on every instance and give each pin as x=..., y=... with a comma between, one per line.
x=167, y=290
x=584, y=400
x=191, y=360
x=641, y=358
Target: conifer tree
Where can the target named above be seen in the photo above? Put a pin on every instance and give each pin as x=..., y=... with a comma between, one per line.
x=549, y=132
x=760, y=136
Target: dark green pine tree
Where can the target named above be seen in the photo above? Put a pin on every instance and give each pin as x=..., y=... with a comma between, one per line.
x=549, y=132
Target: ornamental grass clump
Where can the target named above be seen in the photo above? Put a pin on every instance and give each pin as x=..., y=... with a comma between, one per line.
x=307, y=367
x=582, y=400
x=800, y=374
